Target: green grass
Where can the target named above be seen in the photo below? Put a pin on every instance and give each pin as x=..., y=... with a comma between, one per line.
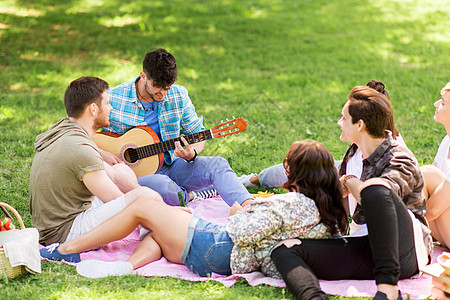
x=285, y=66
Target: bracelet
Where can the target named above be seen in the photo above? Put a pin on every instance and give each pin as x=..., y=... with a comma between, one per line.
x=347, y=177
x=192, y=159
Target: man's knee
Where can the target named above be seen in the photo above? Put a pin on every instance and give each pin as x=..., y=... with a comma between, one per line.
x=125, y=169
x=158, y=182
x=218, y=163
x=166, y=188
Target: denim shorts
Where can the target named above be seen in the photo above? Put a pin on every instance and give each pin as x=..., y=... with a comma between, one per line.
x=207, y=249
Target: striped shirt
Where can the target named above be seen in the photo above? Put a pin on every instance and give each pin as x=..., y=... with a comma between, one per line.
x=176, y=113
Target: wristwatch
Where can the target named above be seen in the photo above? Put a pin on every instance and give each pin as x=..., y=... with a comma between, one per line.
x=192, y=159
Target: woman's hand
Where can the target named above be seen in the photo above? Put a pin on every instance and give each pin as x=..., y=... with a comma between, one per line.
x=288, y=243
x=354, y=186
x=344, y=189
x=343, y=181
x=235, y=208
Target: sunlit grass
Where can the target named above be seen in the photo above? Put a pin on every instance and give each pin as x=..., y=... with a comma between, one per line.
x=285, y=66
x=18, y=11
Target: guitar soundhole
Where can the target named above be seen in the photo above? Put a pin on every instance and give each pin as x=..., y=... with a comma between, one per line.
x=131, y=155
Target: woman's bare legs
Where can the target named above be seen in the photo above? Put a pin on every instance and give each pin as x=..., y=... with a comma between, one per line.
x=436, y=191
x=125, y=169
x=169, y=227
x=141, y=191
x=147, y=251
x=442, y=227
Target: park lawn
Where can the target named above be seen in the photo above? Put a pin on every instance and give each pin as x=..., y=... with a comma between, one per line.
x=285, y=66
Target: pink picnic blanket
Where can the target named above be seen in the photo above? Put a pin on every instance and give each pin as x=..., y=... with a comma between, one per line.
x=217, y=211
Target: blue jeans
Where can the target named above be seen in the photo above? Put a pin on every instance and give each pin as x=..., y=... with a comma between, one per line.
x=207, y=248
x=183, y=177
x=275, y=176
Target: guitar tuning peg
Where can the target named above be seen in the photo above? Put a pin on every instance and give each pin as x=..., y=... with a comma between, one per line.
x=221, y=121
x=234, y=117
x=227, y=119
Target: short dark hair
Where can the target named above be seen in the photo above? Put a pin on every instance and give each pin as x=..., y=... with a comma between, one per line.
x=312, y=173
x=81, y=92
x=160, y=66
x=374, y=108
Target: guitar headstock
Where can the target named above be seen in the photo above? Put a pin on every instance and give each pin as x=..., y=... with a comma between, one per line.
x=229, y=127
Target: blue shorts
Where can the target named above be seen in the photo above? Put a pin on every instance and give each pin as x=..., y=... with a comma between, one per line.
x=207, y=249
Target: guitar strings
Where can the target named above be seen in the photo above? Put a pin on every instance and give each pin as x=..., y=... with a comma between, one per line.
x=153, y=149
x=138, y=153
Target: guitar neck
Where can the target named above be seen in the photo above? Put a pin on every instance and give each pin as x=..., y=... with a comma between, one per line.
x=153, y=149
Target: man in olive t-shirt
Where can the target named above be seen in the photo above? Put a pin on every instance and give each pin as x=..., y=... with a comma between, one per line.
x=72, y=190
x=64, y=154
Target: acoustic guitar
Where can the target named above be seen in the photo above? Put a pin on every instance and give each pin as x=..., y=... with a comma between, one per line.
x=141, y=149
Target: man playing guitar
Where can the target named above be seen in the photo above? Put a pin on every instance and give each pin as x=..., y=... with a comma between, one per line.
x=153, y=100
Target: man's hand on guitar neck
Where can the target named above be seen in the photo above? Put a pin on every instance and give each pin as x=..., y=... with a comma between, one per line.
x=187, y=152
x=109, y=157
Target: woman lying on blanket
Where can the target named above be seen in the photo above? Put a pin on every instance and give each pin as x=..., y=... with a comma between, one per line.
x=437, y=176
x=389, y=239
x=311, y=209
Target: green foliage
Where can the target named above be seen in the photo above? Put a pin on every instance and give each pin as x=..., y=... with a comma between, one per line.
x=285, y=66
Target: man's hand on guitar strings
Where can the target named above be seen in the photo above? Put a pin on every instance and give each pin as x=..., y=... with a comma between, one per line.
x=187, y=153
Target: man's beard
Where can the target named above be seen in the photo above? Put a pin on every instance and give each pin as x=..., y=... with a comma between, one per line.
x=101, y=121
x=148, y=93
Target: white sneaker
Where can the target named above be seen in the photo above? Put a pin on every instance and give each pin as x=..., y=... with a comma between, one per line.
x=245, y=180
x=204, y=194
x=93, y=268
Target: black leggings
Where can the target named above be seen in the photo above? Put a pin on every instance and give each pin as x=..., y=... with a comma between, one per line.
x=386, y=254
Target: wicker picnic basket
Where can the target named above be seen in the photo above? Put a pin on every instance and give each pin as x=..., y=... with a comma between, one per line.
x=5, y=266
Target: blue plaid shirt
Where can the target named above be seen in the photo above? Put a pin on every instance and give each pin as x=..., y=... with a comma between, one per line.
x=176, y=113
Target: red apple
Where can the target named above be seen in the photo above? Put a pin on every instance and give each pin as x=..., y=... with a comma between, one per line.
x=7, y=223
